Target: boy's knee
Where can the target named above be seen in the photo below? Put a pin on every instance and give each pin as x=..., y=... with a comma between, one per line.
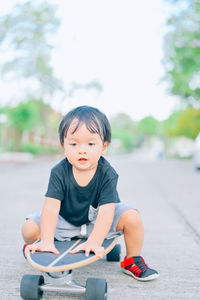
x=133, y=214
x=30, y=231
x=129, y=218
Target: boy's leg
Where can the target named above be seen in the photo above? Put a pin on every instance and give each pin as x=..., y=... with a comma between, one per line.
x=131, y=224
x=30, y=231
x=129, y=221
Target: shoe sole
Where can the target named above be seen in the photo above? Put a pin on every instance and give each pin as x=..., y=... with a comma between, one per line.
x=23, y=250
x=151, y=277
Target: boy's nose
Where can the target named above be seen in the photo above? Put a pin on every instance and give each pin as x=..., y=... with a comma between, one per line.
x=82, y=152
x=82, y=149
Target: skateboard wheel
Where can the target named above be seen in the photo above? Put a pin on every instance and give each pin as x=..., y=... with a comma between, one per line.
x=114, y=254
x=30, y=287
x=96, y=289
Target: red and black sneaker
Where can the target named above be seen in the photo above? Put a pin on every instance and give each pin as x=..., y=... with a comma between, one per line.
x=135, y=266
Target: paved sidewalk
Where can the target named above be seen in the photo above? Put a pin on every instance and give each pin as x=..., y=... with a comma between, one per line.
x=168, y=197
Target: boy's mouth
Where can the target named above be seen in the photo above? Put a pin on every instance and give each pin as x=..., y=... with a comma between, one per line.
x=82, y=159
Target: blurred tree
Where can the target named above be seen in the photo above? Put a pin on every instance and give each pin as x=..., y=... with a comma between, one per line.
x=26, y=40
x=25, y=36
x=3, y=120
x=27, y=121
x=87, y=86
x=20, y=119
x=183, y=123
x=124, y=131
x=148, y=126
x=189, y=123
x=182, y=50
x=169, y=125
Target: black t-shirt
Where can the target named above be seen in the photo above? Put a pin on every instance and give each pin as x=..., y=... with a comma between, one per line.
x=76, y=200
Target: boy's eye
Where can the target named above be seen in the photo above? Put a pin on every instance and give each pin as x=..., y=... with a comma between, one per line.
x=73, y=144
x=91, y=144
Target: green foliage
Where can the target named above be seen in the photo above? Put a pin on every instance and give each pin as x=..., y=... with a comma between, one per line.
x=183, y=123
x=29, y=121
x=130, y=134
x=182, y=64
x=189, y=123
x=36, y=149
x=24, y=117
x=148, y=126
x=123, y=130
x=182, y=51
x=125, y=137
x=169, y=126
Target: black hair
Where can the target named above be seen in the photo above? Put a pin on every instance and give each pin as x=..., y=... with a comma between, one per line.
x=94, y=119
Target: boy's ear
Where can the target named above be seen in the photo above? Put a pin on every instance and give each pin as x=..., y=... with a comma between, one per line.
x=105, y=147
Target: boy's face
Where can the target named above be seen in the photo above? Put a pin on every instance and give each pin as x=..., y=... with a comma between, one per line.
x=83, y=148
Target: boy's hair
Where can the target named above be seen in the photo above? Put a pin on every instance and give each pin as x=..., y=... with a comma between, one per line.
x=94, y=120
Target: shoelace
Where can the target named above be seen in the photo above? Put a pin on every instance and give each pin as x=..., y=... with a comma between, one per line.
x=138, y=268
x=142, y=266
x=135, y=270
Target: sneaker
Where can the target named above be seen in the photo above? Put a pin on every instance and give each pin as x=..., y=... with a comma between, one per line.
x=23, y=250
x=136, y=267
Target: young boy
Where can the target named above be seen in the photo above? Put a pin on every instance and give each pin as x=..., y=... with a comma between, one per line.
x=82, y=200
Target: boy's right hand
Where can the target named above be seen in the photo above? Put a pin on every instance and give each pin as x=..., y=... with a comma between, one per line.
x=41, y=246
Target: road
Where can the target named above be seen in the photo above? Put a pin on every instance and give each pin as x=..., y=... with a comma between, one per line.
x=166, y=193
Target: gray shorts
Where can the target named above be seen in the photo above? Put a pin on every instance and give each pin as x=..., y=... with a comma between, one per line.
x=65, y=230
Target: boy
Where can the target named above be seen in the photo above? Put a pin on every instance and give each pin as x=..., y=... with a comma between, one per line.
x=82, y=200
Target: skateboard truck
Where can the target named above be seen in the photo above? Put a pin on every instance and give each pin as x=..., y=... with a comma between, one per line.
x=62, y=282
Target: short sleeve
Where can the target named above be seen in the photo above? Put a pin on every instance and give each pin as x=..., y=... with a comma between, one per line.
x=109, y=192
x=56, y=187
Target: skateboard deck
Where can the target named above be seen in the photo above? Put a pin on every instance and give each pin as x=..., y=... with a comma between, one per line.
x=50, y=262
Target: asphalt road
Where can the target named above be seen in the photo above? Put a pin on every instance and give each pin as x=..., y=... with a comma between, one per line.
x=167, y=193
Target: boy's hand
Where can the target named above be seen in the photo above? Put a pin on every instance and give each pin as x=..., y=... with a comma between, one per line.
x=89, y=246
x=41, y=247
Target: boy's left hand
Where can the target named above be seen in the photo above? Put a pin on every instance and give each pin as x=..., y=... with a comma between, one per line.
x=89, y=246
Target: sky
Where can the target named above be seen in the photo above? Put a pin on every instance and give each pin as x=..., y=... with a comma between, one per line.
x=118, y=43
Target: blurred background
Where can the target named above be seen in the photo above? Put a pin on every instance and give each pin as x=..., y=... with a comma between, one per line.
x=139, y=62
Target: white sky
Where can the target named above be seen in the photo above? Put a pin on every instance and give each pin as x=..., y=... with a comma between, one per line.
x=119, y=44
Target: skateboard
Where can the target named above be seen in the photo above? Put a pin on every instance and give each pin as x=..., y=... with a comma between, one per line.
x=58, y=271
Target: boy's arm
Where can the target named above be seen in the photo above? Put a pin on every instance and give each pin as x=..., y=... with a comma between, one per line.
x=100, y=231
x=49, y=219
x=48, y=223
x=103, y=223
